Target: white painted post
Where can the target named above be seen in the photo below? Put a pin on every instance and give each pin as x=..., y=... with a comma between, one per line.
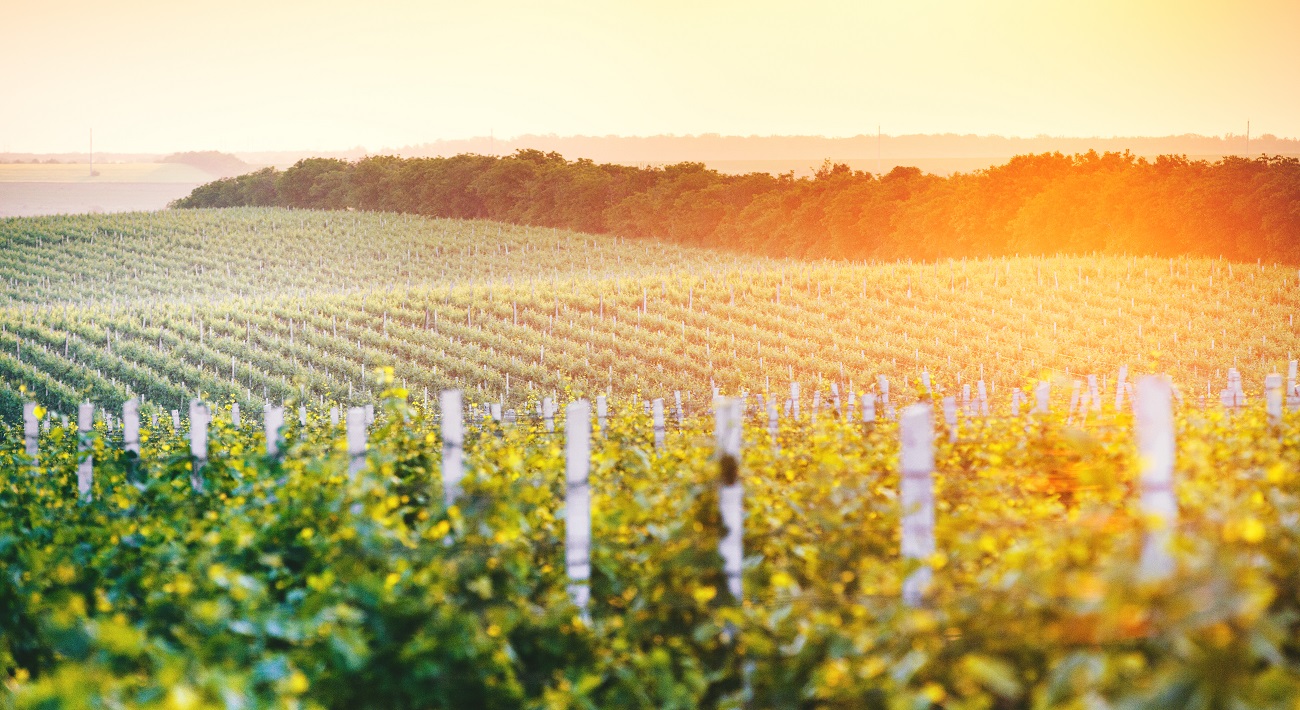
x=1074, y=397
x=274, y=422
x=494, y=410
x=816, y=406
x=1094, y=394
x=835, y=400
x=302, y=415
x=602, y=412
x=772, y=426
x=950, y=417
x=869, y=409
x=728, y=431
x=31, y=431
x=131, y=426
x=453, y=439
x=334, y=417
x=577, y=500
x=235, y=419
x=370, y=414
x=657, y=411
x=794, y=399
x=1273, y=398
x=356, y=434
x=1155, y=434
x=176, y=421
x=965, y=399
x=198, y=443
x=982, y=405
x=86, y=467
x=1292, y=392
x=677, y=401
x=925, y=380
x=1119, y=387
x=1042, y=396
x=548, y=413
x=916, y=472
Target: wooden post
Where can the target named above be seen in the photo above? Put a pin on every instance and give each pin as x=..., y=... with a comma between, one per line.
x=274, y=421
x=916, y=474
x=1292, y=391
x=198, y=443
x=657, y=413
x=728, y=432
x=1042, y=398
x=950, y=417
x=453, y=439
x=868, y=409
x=31, y=431
x=1273, y=398
x=131, y=426
x=356, y=434
x=577, y=501
x=1155, y=437
x=772, y=427
x=86, y=465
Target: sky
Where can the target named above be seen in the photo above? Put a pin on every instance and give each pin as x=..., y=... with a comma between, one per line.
x=163, y=76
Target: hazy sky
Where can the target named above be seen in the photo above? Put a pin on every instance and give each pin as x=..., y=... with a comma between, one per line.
x=234, y=75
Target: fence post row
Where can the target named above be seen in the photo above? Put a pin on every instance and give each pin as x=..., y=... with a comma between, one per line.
x=356, y=441
x=1152, y=403
x=577, y=500
x=86, y=467
x=728, y=431
x=916, y=474
x=453, y=439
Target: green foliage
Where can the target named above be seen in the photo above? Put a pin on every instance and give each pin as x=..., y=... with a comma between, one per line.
x=287, y=580
x=1113, y=203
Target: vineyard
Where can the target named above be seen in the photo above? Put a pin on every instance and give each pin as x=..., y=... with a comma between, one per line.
x=261, y=306
x=332, y=575
x=230, y=475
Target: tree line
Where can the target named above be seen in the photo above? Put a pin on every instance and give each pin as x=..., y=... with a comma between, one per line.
x=1237, y=208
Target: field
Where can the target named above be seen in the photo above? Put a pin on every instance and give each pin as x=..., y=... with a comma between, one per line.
x=344, y=573
x=28, y=190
